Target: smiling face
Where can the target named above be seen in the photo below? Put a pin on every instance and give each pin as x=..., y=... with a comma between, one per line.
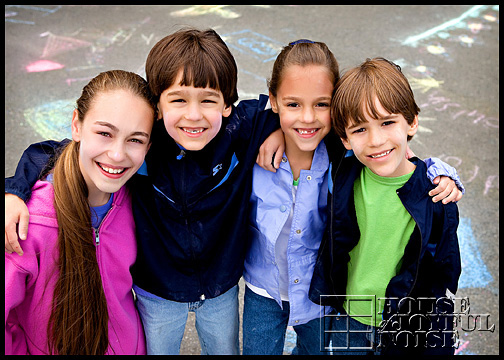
x=303, y=105
x=380, y=144
x=192, y=116
x=114, y=138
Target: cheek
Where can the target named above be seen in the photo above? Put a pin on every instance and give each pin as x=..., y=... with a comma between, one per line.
x=215, y=120
x=170, y=127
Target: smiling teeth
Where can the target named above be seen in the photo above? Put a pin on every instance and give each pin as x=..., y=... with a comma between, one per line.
x=305, y=132
x=381, y=155
x=112, y=171
x=194, y=131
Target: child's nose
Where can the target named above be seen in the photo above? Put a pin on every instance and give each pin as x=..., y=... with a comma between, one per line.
x=117, y=152
x=193, y=112
x=308, y=115
x=376, y=138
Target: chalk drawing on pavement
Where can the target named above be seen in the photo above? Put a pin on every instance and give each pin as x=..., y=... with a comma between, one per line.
x=220, y=10
x=253, y=44
x=56, y=44
x=474, y=271
x=51, y=120
x=448, y=25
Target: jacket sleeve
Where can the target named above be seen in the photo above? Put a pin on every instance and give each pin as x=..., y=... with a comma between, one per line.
x=446, y=270
x=15, y=289
x=31, y=167
x=436, y=167
x=256, y=122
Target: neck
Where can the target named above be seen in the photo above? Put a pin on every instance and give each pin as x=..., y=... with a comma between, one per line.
x=98, y=199
x=298, y=160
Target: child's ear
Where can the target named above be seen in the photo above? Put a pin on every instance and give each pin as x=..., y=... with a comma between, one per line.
x=273, y=103
x=413, y=127
x=346, y=144
x=76, y=126
x=159, y=112
x=227, y=111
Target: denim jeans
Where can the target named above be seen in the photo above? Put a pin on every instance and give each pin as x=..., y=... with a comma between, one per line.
x=264, y=326
x=217, y=324
x=351, y=337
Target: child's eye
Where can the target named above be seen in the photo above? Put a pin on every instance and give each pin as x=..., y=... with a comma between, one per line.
x=178, y=100
x=292, y=105
x=208, y=101
x=323, y=104
x=137, y=141
x=385, y=123
x=360, y=130
x=104, y=133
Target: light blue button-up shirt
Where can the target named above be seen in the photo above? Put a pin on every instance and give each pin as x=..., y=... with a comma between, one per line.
x=271, y=203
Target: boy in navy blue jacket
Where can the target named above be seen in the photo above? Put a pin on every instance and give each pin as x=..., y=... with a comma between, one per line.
x=391, y=253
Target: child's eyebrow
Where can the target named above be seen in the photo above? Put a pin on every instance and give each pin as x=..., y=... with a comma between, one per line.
x=116, y=129
x=183, y=92
x=109, y=125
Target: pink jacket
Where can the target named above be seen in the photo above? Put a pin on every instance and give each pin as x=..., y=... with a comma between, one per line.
x=27, y=300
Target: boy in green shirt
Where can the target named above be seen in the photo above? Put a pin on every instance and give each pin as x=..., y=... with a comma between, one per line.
x=388, y=240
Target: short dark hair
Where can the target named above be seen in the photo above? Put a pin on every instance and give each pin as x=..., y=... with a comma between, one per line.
x=357, y=88
x=204, y=58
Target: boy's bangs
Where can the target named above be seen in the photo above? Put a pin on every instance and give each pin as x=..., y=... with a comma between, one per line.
x=200, y=75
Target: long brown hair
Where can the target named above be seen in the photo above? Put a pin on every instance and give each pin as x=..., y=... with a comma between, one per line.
x=78, y=324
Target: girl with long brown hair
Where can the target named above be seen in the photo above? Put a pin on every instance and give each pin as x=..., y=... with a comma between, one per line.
x=70, y=293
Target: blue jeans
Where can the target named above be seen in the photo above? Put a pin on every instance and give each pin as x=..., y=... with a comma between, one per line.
x=351, y=337
x=264, y=326
x=217, y=324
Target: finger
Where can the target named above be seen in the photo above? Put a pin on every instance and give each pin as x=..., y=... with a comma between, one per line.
x=24, y=220
x=439, y=192
x=11, y=240
x=445, y=193
x=454, y=196
x=442, y=183
x=8, y=248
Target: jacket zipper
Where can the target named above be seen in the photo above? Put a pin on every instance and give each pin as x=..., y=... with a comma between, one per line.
x=181, y=156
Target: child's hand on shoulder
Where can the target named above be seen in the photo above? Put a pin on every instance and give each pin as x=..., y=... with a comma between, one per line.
x=446, y=190
x=271, y=151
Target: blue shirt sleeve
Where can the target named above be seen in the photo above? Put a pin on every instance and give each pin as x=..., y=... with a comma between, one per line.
x=30, y=167
x=436, y=167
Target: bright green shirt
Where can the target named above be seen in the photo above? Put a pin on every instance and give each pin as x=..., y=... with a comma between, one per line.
x=385, y=229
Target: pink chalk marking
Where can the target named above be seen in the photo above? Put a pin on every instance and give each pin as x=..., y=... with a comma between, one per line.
x=461, y=347
x=44, y=65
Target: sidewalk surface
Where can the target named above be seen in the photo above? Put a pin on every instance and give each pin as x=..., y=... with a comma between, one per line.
x=449, y=53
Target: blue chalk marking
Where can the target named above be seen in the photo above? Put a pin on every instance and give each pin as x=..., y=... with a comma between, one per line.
x=413, y=40
x=474, y=271
x=252, y=43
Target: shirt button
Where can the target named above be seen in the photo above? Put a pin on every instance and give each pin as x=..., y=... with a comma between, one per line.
x=296, y=281
x=283, y=208
x=202, y=297
x=298, y=231
x=284, y=159
x=308, y=177
x=296, y=321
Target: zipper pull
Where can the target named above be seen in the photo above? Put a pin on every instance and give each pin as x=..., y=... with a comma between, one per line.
x=97, y=237
x=181, y=155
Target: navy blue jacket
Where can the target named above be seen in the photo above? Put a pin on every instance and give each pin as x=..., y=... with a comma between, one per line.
x=191, y=211
x=431, y=262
